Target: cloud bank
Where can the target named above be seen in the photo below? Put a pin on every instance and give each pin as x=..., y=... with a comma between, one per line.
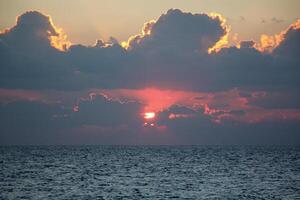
x=180, y=66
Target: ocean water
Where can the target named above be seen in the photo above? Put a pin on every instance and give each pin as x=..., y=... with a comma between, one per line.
x=149, y=172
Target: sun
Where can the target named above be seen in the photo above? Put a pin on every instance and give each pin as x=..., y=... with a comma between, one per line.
x=149, y=119
x=149, y=115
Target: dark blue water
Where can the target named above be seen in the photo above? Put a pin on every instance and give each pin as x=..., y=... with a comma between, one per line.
x=135, y=172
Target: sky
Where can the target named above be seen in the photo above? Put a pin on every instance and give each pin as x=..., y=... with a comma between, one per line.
x=149, y=73
x=85, y=22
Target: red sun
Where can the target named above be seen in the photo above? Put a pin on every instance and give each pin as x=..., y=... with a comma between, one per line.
x=149, y=115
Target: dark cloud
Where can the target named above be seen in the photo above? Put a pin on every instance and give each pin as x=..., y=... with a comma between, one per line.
x=276, y=100
x=29, y=122
x=100, y=120
x=289, y=47
x=102, y=111
x=27, y=57
x=248, y=67
x=174, y=112
x=170, y=53
x=202, y=129
x=103, y=65
x=34, y=122
x=178, y=32
x=247, y=44
x=32, y=32
x=244, y=68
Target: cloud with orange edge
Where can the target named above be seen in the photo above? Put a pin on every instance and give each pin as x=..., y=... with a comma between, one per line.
x=269, y=42
x=36, y=28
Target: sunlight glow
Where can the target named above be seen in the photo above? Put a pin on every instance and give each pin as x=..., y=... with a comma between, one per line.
x=149, y=115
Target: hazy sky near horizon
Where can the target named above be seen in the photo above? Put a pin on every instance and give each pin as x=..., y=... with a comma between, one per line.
x=86, y=21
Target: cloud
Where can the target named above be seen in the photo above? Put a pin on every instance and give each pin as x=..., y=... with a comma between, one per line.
x=177, y=32
x=180, y=66
x=247, y=44
x=99, y=119
x=275, y=100
x=235, y=105
x=170, y=53
x=269, y=42
x=288, y=46
x=34, y=122
x=28, y=57
x=29, y=122
x=103, y=111
x=33, y=31
x=192, y=127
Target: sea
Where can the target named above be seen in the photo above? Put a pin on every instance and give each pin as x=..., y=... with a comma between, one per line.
x=149, y=172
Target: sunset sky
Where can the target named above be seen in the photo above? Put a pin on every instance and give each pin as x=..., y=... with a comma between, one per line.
x=150, y=72
x=85, y=22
